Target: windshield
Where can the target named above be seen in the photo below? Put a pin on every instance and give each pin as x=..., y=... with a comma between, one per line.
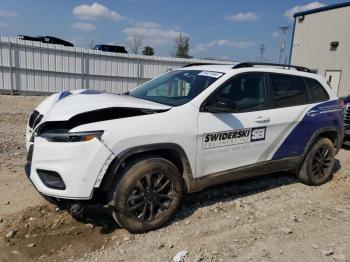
x=176, y=87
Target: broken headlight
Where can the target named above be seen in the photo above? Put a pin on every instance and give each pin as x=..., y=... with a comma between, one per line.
x=65, y=136
x=34, y=119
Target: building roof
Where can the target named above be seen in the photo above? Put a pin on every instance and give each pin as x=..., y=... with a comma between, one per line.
x=322, y=9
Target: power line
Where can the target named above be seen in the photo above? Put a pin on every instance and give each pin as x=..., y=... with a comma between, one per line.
x=284, y=30
x=262, y=50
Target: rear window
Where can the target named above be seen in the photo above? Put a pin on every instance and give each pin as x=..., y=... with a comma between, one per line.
x=288, y=90
x=316, y=90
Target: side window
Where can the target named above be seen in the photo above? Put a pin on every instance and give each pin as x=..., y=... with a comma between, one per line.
x=316, y=91
x=288, y=90
x=245, y=92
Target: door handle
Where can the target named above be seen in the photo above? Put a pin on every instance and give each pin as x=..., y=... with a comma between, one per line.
x=262, y=120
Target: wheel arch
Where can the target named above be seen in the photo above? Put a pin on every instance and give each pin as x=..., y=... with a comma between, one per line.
x=331, y=133
x=170, y=151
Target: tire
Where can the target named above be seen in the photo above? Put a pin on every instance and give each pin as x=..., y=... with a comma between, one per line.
x=147, y=195
x=318, y=164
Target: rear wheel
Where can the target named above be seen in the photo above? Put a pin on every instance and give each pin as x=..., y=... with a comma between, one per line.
x=148, y=194
x=318, y=164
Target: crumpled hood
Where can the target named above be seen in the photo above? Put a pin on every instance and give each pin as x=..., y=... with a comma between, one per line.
x=63, y=106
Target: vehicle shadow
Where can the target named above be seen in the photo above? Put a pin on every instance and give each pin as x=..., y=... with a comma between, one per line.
x=346, y=146
x=99, y=218
x=235, y=190
x=210, y=196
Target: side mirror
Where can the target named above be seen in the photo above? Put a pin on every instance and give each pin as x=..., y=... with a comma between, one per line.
x=220, y=106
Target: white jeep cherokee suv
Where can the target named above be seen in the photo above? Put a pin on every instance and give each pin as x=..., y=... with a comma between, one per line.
x=137, y=153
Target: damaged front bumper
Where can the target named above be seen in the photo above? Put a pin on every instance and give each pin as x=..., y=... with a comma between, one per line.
x=66, y=170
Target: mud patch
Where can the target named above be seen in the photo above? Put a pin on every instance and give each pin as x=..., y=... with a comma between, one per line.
x=48, y=234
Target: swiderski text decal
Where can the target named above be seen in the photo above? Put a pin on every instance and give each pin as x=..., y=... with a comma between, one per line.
x=234, y=137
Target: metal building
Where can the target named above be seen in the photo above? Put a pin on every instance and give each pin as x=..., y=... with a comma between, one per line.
x=321, y=42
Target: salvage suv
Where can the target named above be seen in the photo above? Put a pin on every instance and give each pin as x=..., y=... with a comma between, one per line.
x=136, y=154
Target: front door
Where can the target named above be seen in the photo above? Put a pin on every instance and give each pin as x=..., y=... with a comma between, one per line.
x=228, y=140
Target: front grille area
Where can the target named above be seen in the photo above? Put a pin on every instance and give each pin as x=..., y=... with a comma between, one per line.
x=30, y=154
x=347, y=116
x=34, y=119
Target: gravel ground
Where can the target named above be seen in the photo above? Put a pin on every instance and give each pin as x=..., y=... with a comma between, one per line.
x=273, y=218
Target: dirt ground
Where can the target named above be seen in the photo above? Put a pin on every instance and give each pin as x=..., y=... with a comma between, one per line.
x=273, y=218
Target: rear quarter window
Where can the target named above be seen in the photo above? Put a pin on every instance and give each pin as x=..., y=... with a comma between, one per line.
x=316, y=91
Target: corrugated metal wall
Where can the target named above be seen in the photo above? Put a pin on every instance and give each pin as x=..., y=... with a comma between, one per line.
x=311, y=45
x=34, y=67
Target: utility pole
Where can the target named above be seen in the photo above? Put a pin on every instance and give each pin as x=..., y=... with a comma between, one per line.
x=262, y=50
x=284, y=30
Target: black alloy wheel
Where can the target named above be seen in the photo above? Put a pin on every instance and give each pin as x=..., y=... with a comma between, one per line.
x=317, y=167
x=151, y=197
x=321, y=161
x=148, y=194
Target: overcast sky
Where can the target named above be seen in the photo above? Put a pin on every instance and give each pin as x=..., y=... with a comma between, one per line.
x=222, y=29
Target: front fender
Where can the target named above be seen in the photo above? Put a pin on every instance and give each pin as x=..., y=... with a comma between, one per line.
x=122, y=157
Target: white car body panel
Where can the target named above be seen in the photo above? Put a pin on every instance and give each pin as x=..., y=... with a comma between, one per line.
x=178, y=126
x=75, y=104
x=219, y=157
x=77, y=163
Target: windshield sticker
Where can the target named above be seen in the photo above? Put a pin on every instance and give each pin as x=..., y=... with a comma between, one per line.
x=234, y=137
x=210, y=74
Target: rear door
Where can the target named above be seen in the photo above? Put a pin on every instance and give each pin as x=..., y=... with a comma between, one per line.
x=238, y=137
x=290, y=104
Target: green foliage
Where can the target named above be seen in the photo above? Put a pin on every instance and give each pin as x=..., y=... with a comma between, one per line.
x=147, y=50
x=182, y=48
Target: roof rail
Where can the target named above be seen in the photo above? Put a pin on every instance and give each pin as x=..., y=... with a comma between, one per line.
x=252, y=64
x=201, y=64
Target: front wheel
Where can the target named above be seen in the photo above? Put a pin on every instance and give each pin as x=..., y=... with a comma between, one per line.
x=318, y=164
x=147, y=195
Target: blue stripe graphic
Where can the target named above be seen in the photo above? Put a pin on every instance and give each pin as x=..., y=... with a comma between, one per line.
x=64, y=94
x=328, y=114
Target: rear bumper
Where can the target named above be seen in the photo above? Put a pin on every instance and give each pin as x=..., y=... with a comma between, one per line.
x=78, y=165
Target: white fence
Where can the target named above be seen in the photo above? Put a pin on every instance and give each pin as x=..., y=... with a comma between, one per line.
x=34, y=67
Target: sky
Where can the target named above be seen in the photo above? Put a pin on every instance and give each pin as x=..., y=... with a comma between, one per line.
x=222, y=29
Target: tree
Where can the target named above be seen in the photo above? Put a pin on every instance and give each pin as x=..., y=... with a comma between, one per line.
x=182, y=47
x=134, y=42
x=92, y=44
x=147, y=50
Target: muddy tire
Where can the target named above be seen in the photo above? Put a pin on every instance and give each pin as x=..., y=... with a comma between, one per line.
x=318, y=164
x=147, y=195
